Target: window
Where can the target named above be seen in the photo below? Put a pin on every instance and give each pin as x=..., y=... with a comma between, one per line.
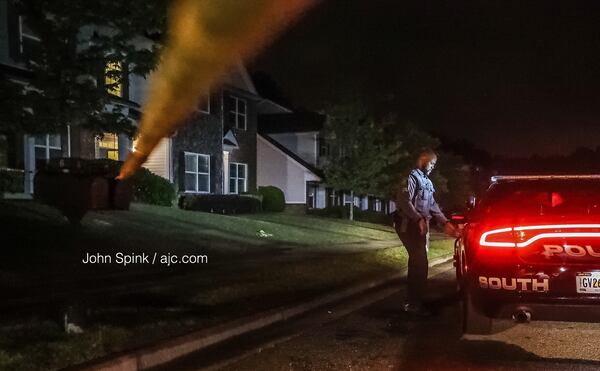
x=238, y=112
x=197, y=173
x=46, y=147
x=108, y=146
x=238, y=178
x=28, y=41
x=205, y=105
x=323, y=147
x=113, y=78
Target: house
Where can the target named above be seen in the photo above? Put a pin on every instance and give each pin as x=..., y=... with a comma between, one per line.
x=292, y=149
x=214, y=153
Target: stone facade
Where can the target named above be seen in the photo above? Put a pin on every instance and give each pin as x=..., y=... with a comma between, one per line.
x=203, y=134
x=246, y=153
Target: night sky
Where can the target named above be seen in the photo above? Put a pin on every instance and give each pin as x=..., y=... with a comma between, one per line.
x=516, y=78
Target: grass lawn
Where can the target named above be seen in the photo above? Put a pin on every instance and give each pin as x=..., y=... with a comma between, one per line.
x=285, y=228
x=236, y=282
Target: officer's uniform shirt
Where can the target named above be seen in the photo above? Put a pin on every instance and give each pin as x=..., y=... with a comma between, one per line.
x=416, y=200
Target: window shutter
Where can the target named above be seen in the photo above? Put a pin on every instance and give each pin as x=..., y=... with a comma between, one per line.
x=181, y=172
x=213, y=183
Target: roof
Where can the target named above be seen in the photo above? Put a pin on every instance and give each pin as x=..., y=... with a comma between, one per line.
x=293, y=122
x=267, y=106
x=229, y=139
x=293, y=156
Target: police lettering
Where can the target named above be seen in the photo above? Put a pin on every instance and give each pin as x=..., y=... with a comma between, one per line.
x=571, y=250
x=515, y=284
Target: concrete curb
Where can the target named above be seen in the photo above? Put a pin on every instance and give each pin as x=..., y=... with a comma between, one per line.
x=172, y=349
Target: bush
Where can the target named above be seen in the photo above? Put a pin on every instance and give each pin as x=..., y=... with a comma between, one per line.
x=273, y=198
x=152, y=189
x=12, y=181
x=342, y=212
x=147, y=187
x=221, y=204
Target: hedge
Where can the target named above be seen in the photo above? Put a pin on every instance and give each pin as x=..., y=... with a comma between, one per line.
x=273, y=198
x=12, y=181
x=152, y=189
x=220, y=204
x=342, y=212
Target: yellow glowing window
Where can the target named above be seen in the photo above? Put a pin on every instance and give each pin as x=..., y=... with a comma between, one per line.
x=112, y=78
x=108, y=146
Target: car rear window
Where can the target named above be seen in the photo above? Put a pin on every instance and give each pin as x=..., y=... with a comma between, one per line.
x=565, y=197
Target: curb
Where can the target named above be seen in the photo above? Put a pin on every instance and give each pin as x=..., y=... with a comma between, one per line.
x=171, y=349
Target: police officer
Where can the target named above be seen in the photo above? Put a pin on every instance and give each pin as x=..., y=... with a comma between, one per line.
x=416, y=206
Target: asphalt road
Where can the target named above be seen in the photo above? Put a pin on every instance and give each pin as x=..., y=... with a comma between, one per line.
x=380, y=337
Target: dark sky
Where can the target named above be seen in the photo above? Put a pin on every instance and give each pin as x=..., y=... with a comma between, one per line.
x=516, y=78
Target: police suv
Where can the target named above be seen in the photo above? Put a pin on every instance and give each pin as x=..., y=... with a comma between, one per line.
x=530, y=250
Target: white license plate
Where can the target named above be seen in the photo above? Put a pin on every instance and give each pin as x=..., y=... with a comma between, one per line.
x=588, y=283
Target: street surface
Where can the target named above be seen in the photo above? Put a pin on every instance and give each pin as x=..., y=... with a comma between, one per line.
x=380, y=337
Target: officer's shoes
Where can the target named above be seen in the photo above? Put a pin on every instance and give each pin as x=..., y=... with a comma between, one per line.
x=416, y=310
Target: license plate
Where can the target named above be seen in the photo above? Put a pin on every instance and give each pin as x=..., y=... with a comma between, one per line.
x=588, y=283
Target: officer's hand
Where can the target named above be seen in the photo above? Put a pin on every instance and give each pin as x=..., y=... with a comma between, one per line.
x=451, y=230
x=423, y=226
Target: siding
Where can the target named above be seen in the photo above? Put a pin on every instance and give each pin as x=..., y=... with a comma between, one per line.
x=302, y=144
x=277, y=169
x=158, y=161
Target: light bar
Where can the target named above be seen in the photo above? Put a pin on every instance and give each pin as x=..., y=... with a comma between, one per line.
x=497, y=178
x=483, y=241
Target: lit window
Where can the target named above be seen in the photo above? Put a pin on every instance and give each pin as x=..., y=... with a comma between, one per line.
x=238, y=178
x=112, y=78
x=238, y=112
x=197, y=173
x=46, y=147
x=108, y=146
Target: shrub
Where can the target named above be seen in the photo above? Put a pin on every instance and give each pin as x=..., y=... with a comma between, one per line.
x=273, y=198
x=147, y=187
x=152, y=189
x=342, y=212
x=221, y=204
x=12, y=181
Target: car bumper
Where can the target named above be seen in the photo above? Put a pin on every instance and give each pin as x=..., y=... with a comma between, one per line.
x=547, y=293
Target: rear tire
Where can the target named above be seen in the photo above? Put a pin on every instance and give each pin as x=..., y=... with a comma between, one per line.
x=474, y=322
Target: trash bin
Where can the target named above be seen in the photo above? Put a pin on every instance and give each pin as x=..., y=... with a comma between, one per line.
x=75, y=186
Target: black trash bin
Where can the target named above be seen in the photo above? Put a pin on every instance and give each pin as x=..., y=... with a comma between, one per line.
x=75, y=186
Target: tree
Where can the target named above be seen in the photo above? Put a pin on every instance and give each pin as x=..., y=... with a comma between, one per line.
x=359, y=153
x=86, y=49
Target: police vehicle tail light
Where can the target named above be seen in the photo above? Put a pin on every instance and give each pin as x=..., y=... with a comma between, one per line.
x=523, y=236
x=502, y=237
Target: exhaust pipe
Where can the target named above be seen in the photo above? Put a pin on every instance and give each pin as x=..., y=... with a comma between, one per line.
x=522, y=316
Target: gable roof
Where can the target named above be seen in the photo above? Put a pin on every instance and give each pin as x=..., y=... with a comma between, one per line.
x=292, y=155
x=293, y=122
x=230, y=140
x=239, y=78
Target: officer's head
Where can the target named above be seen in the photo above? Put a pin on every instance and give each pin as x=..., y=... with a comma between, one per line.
x=426, y=160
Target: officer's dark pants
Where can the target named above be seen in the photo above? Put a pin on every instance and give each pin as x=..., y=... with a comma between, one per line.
x=416, y=245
